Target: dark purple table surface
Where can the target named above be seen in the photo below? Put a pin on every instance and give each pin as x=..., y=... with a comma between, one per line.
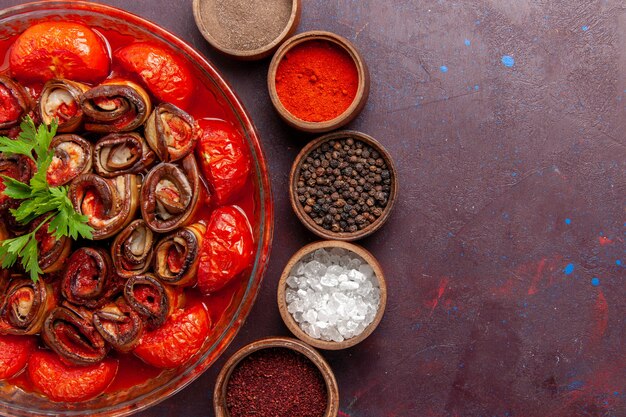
x=505, y=254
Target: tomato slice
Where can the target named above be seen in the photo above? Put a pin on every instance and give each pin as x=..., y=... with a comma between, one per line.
x=224, y=159
x=164, y=73
x=180, y=338
x=62, y=382
x=59, y=50
x=227, y=249
x=14, y=354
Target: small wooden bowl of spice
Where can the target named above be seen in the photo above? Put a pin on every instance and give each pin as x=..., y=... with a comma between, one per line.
x=318, y=81
x=343, y=185
x=247, y=29
x=332, y=294
x=276, y=376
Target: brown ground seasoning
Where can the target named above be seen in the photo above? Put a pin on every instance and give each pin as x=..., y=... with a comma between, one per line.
x=276, y=382
x=245, y=25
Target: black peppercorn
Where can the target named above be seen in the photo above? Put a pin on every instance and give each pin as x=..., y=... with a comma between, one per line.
x=344, y=185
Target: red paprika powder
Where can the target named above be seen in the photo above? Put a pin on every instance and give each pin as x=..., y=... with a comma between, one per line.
x=316, y=81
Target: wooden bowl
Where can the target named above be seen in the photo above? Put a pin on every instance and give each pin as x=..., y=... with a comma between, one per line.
x=291, y=323
x=207, y=29
x=299, y=209
x=350, y=113
x=219, y=392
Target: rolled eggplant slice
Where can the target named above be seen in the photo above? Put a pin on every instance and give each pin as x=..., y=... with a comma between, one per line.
x=119, y=325
x=177, y=256
x=170, y=195
x=122, y=153
x=153, y=300
x=69, y=331
x=72, y=157
x=18, y=167
x=25, y=306
x=89, y=278
x=110, y=204
x=132, y=249
x=15, y=103
x=115, y=106
x=52, y=252
x=60, y=100
x=171, y=132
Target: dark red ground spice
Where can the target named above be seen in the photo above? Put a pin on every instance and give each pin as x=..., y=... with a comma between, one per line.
x=276, y=382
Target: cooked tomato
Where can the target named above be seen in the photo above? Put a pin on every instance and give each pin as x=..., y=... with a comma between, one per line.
x=62, y=382
x=227, y=249
x=14, y=354
x=177, y=340
x=164, y=73
x=59, y=50
x=224, y=159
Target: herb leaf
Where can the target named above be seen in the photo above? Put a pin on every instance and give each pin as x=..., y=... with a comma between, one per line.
x=38, y=198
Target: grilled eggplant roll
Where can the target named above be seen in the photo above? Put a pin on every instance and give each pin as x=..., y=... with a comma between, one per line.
x=122, y=153
x=153, y=300
x=18, y=167
x=115, y=106
x=89, y=278
x=177, y=256
x=72, y=157
x=52, y=252
x=25, y=306
x=110, y=204
x=119, y=325
x=171, y=132
x=69, y=331
x=170, y=195
x=15, y=103
x=132, y=249
x=60, y=100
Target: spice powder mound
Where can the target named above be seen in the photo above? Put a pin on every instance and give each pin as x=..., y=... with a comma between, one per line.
x=317, y=81
x=246, y=25
x=276, y=382
x=344, y=185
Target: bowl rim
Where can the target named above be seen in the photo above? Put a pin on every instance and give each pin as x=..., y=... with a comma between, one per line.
x=307, y=221
x=219, y=391
x=363, y=88
x=260, y=171
x=291, y=323
x=252, y=54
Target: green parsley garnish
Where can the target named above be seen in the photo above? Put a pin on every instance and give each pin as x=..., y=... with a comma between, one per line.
x=38, y=198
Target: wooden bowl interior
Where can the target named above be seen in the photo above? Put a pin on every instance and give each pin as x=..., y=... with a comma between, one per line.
x=359, y=99
x=291, y=323
x=254, y=54
x=307, y=220
x=219, y=393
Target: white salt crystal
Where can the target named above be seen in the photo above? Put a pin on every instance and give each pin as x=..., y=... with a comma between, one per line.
x=332, y=294
x=348, y=285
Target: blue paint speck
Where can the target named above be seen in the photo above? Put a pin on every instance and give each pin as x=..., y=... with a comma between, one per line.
x=568, y=221
x=514, y=174
x=576, y=385
x=585, y=28
x=615, y=393
x=508, y=61
x=595, y=281
x=443, y=68
x=467, y=42
x=618, y=262
x=477, y=87
x=569, y=269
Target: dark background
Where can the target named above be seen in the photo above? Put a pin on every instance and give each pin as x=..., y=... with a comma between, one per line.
x=510, y=176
